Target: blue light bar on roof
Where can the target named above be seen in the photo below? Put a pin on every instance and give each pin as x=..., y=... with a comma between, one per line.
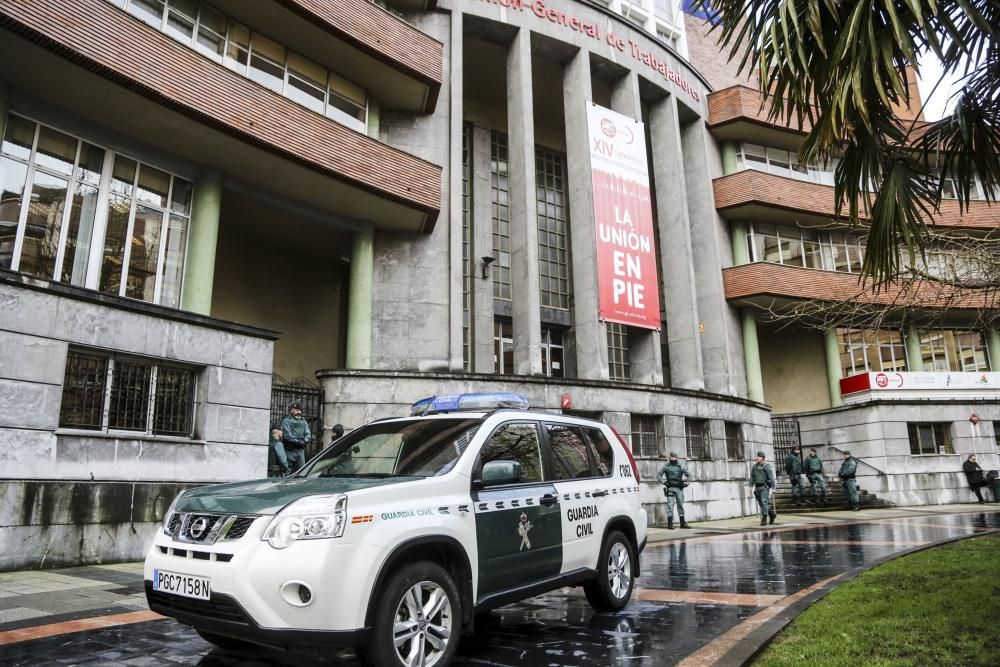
x=468, y=402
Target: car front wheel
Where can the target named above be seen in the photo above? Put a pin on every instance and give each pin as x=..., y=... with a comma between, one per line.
x=418, y=618
x=612, y=588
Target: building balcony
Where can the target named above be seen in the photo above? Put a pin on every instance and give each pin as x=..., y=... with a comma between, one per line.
x=735, y=114
x=938, y=386
x=755, y=195
x=154, y=90
x=769, y=285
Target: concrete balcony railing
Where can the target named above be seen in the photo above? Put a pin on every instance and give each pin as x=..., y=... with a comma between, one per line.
x=755, y=195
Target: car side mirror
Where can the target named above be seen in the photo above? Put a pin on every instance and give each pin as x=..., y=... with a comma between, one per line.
x=501, y=472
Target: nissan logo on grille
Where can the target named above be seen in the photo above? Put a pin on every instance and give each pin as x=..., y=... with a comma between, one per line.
x=198, y=527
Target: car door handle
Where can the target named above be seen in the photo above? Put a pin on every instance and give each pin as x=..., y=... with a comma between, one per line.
x=598, y=494
x=548, y=499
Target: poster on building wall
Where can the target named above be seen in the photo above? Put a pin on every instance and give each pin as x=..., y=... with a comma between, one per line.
x=626, y=252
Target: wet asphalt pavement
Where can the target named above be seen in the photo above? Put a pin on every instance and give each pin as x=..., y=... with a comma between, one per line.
x=691, y=592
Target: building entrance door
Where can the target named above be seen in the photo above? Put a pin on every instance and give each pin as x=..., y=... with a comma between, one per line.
x=785, y=436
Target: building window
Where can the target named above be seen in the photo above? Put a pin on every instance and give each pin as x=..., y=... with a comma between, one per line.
x=108, y=393
x=953, y=350
x=863, y=350
x=503, y=346
x=501, y=215
x=553, y=226
x=930, y=438
x=697, y=437
x=734, y=441
x=129, y=223
x=552, y=352
x=645, y=436
x=808, y=248
x=619, y=367
x=467, y=265
x=781, y=162
x=256, y=57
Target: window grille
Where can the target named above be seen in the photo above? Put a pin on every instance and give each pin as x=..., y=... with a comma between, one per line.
x=734, y=441
x=646, y=435
x=697, y=437
x=619, y=367
x=553, y=228
x=115, y=393
x=501, y=215
x=930, y=438
x=467, y=264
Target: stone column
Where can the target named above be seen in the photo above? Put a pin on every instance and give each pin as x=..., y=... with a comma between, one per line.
x=993, y=347
x=914, y=359
x=482, y=246
x=456, y=314
x=831, y=349
x=203, y=237
x=738, y=239
x=675, y=257
x=359, y=300
x=751, y=356
x=589, y=333
x=523, y=214
x=728, y=149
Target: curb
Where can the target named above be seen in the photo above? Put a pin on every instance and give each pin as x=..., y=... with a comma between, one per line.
x=755, y=643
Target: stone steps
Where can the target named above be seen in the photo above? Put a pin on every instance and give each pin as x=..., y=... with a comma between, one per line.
x=834, y=495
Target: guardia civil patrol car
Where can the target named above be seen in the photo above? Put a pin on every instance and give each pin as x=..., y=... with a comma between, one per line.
x=394, y=538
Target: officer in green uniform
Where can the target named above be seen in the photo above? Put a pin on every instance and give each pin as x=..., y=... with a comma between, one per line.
x=847, y=471
x=672, y=475
x=793, y=468
x=817, y=480
x=762, y=480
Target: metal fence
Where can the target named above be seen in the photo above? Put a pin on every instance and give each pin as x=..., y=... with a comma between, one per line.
x=309, y=396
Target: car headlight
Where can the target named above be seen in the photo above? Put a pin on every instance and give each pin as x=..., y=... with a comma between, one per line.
x=170, y=514
x=309, y=518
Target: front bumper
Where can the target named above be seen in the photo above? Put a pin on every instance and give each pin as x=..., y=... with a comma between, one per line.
x=223, y=615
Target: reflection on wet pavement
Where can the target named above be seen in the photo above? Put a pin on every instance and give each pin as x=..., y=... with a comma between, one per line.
x=692, y=592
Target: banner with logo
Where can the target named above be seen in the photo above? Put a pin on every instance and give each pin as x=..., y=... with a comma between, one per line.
x=626, y=251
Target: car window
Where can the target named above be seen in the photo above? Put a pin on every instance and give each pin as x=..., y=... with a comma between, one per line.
x=515, y=442
x=569, y=452
x=420, y=448
x=601, y=450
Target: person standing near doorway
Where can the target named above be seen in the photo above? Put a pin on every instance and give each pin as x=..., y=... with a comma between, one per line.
x=817, y=480
x=848, y=469
x=762, y=481
x=793, y=468
x=671, y=475
x=295, y=435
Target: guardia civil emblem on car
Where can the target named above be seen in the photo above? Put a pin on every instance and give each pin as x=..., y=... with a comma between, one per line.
x=396, y=537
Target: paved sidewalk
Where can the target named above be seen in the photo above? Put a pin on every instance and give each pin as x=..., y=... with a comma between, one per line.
x=702, y=592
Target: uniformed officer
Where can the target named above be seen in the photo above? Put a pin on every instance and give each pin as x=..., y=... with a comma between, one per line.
x=847, y=471
x=817, y=480
x=295, y=435
x=762, y=480
x=793, y=468
x=671, y=475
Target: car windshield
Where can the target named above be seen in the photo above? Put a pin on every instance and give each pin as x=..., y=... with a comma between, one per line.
x=410, y=448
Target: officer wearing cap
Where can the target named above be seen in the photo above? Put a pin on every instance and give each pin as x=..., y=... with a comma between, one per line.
x=671, y=475
x=762, y=481
x=338, y=433
x=848, y=469
x=793, y=468
x=295, y=434
x=817, y=480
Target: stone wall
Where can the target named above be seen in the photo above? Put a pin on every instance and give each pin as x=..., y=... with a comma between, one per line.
x=63, y=492
x=357, y=397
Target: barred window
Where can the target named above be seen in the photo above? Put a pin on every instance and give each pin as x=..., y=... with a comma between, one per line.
x=553, y=225
x=619, y=367
x=501, y=215
x=697, y=437
x=467, y=266
x=930, y=438
x=646, y=435
x=104, y=392
x=734, y=441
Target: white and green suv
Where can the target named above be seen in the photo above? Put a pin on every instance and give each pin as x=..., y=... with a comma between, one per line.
x=394, y=538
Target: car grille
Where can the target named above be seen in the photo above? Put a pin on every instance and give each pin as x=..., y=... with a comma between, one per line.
x=207, y=528
x=218, y=608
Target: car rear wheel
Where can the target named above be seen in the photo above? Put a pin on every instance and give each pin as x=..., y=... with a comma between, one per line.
x=612, y=588
x=228, y=643
x=418, y=619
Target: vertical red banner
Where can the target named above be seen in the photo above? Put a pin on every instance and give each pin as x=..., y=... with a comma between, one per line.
x=626, y=249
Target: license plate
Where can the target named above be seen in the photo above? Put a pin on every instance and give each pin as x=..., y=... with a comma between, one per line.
x=187, y=585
